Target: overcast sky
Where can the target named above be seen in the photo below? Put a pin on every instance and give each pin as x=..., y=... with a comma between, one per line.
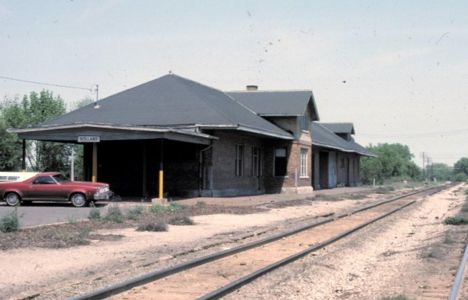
x=397, y=69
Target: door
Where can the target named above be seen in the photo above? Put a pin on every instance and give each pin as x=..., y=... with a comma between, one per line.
x=323, y=169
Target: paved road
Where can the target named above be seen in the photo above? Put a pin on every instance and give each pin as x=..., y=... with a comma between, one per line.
x=46, y=213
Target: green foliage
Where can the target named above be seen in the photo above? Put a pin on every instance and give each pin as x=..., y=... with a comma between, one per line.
x=32, y=110
x=460, y=177
x=114, y=214
x=10, y=222
x=94, y=214
x=393, y=160
x=441, y=172
x=171, y=208
x=455, y=221
x=461, y=166
x=135, y=212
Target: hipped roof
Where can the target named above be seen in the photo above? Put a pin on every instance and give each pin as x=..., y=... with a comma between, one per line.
x=171, y=101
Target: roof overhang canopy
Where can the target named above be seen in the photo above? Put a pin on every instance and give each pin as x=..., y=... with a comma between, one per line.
x=72, y=133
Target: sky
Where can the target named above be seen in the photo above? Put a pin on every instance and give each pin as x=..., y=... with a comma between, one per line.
x=397, y=69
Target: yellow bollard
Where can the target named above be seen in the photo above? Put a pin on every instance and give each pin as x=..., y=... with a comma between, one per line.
x=161, y=184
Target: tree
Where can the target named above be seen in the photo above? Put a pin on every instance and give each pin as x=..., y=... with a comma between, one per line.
x=32, y=110
x=441, y=171
x=461, y=166
x=393, y=160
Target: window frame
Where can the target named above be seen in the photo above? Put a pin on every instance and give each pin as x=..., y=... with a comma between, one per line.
x=239, y=160
x=303, y=163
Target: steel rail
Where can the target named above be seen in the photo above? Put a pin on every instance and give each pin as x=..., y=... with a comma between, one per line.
x=459, y=276
x=155, y=275
x=252, y=276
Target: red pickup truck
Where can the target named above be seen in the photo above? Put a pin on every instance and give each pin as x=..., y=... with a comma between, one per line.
x=52, y=186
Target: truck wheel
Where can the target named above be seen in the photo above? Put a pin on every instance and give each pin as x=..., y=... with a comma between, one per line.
x=13, y=199
x=78, y=200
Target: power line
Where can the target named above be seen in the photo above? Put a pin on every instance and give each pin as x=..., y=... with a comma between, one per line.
x=47, y=83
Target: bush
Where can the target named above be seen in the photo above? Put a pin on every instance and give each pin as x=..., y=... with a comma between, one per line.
x=94, y=214
x=134, y=212
x=157, y=209
x=460, y=177
x=455, y=221
x=114, y=214
x=181, y=220
x=152, y=225
x=10, y=222
x=171, y=208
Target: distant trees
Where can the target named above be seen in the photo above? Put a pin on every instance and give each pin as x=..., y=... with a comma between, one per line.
x=33, y=109
x=441, y=171
x=460, y=169
x=393, y=160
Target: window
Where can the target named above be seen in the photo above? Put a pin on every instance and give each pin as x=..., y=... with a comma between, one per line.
x=239, y=160
x=256, y=169
x=280, y=162
x=44, y=180
x=304, y=163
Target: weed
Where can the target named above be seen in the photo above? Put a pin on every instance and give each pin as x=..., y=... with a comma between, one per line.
x=134, y=212
x=357, y=196
x=152, y=225
x=157, y=209
x=10, y=222
x=455, y=221
x=171, y=208
x=114, y=214
x=94, y=214
x=71, y=220
x=181, y=220
x=174, y=207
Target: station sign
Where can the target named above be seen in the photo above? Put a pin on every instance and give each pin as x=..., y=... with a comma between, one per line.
x=89, y=139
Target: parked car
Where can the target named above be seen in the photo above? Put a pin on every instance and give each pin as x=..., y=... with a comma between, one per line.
x=53, y=186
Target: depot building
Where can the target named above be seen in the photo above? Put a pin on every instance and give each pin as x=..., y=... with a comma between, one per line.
x=175, y=137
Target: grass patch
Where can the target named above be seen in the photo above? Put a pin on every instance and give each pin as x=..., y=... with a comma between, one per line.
x=455, y=221
x=10, y=222
x=357, y=196
x=135, y=212
x=114, y=214
x=94, y=214
x=63, y=238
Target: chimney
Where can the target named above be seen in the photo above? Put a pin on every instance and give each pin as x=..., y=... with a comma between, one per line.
x=252, y=87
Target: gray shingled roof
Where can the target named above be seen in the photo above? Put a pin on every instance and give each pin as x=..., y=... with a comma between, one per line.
x=324, y=137
x=171, y=101
x=277, y=103
x=343, y=127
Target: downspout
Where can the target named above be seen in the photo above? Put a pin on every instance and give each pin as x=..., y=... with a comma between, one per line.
x=200, y=168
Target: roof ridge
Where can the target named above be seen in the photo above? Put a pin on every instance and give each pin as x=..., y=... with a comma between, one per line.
x=269, y=91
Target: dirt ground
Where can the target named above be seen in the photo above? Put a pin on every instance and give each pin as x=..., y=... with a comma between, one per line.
x=60, y=273
x=412, y=254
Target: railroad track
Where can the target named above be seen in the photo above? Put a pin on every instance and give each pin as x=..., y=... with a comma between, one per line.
x=215, y=275
x=461, y=273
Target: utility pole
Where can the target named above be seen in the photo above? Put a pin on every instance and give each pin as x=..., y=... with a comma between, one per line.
x=72, y=164
x=424, y=165
x=96, y=105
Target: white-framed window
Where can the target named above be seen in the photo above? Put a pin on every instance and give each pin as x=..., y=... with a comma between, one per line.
x=280, y=162
x=257, y=163
x=239, y=160
x=304, y=162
